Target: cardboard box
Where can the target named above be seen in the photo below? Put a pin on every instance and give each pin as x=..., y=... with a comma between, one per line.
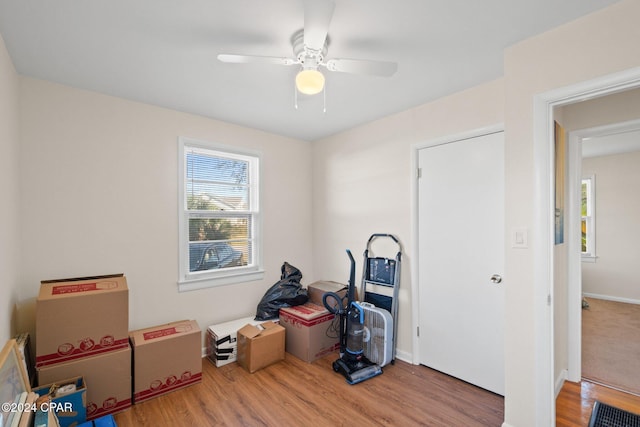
x=165, y=358
x=311, y=331
x=260, y=345
x=316, y=291
x=108, y=378
x=221, y=340
x=76, y=318
x=70, y=407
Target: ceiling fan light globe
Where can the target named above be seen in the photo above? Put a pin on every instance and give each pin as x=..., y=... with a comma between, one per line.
x=310, y=82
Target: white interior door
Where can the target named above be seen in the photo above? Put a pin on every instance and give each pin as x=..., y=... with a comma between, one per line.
x=461, y=244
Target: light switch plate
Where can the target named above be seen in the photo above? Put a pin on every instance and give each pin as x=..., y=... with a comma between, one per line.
x=519, y=238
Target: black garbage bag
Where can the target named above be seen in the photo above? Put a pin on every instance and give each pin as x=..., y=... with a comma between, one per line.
x=287, y=292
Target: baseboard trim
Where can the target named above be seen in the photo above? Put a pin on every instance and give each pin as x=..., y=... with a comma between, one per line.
x=400, y=355
x=405, y=356
x=612, y=298
x=562, y=377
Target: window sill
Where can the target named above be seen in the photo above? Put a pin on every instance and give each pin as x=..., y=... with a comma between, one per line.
x=221, y=280
x=589, y=258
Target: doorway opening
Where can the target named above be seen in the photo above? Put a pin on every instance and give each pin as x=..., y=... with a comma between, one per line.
x=551, y=334
x=602, y=344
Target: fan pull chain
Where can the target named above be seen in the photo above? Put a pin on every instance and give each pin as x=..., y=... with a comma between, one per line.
x=324, y=98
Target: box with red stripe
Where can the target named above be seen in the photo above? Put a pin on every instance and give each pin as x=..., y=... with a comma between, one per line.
x=165, y=358
x=311, y=331
x=81, y=317
x=107, y=377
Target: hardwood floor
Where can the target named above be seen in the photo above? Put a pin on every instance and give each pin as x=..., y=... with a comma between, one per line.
x=575, y=402
x=296, y=393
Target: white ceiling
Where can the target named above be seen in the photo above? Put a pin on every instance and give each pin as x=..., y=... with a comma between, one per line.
x=163, y=52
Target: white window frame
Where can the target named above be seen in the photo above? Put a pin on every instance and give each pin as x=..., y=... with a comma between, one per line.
x=189, y=281
x=590, y=218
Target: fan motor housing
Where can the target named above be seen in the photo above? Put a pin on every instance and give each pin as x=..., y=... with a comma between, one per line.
x=306, y=55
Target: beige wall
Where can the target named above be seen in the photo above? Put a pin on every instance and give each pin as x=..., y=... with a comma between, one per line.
x=615, y=272
x=599, y=44
x=99, y=195
x=347, y=167
x=606, y=110
x=83, y=200
x=362, y=181
x=9, y=190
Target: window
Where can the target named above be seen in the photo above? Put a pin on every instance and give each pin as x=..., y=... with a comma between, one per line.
x=219, y=224
x=588, y=222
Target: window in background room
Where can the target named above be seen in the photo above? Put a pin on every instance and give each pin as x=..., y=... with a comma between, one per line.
x=219, y=215
x=588, y=219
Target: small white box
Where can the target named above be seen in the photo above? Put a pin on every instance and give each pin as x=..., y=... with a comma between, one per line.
x=222, y=340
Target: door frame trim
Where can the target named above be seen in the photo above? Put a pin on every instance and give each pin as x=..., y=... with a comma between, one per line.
x=543, y=265
x=415, y=275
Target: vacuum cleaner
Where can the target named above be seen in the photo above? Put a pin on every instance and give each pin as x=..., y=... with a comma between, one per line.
x=352, y=363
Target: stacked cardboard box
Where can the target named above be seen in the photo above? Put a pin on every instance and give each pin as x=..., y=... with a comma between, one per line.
x=316, y=292
x=165, y=358
x=222, y=345
x=82, y=330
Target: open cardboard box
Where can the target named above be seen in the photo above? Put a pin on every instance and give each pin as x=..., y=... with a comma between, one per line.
x=222, y=340
x=260, y=345
x=69, y=400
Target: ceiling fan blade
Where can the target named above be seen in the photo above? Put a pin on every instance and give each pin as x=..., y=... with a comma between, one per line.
x=245, y=59
x=317, y=17
x=356, y=66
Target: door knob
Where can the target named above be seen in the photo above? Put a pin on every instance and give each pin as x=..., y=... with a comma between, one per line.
x=496, y=278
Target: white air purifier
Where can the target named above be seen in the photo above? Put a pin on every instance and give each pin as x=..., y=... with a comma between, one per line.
x=378, y=337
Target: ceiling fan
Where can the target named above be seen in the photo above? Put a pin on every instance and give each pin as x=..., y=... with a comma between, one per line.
x=310, y=50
